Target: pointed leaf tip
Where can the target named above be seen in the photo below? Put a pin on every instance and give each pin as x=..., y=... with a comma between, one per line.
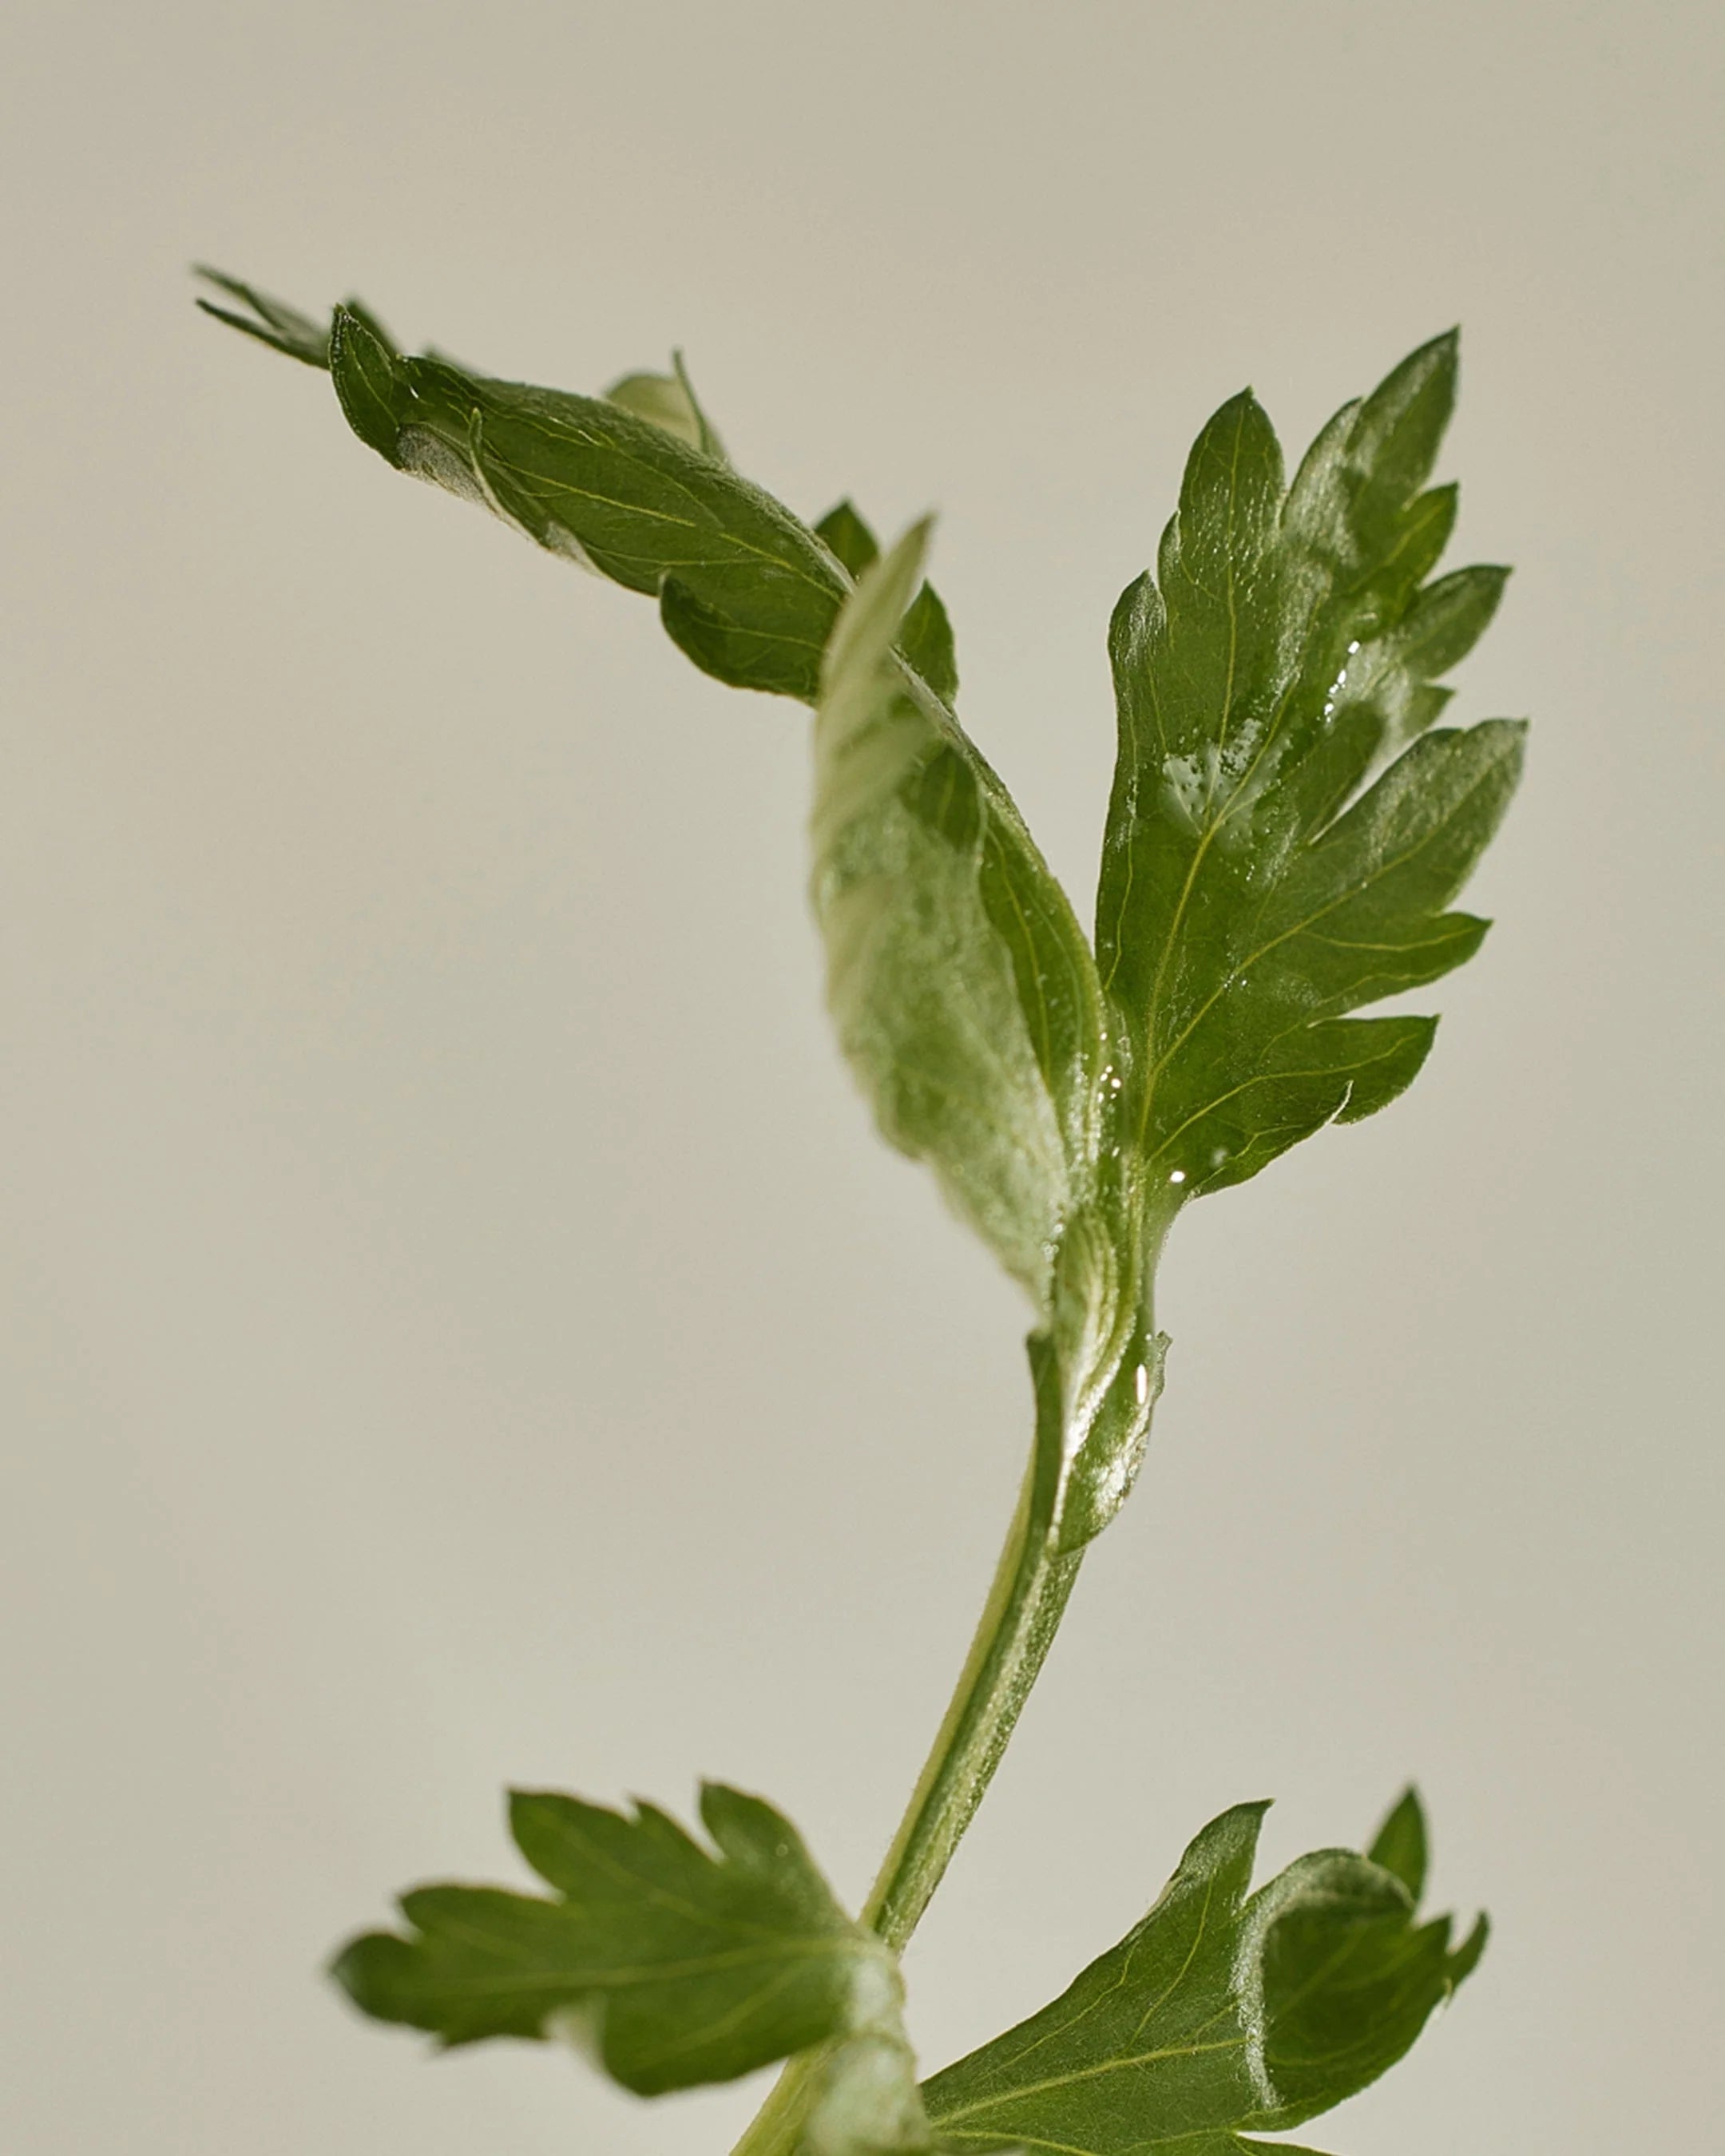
x=869, y=621
x=1466, y=1959
x=1400, y=1845
x=843, y=531
x=371, y=383
x=271, y=322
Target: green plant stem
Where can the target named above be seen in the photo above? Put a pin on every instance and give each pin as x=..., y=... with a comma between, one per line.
x=1031, y=1586
x=777, y=2127
x=1033, y=1583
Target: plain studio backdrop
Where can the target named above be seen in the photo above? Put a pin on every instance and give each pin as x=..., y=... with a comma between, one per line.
x=460, y=1326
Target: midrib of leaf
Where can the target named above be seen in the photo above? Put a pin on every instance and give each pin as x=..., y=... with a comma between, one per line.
x=1018, y=2140
x=637, y=1881
x=1186, y=888
x=506, y=1986
x=1429, y=505
x=1098, y=2072
x=1370, y=943
x=1147, y=1103
x=1180, y=1974
x=743, y=548
x=1215, y=822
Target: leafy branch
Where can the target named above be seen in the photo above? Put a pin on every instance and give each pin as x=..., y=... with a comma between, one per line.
x=1288, y=830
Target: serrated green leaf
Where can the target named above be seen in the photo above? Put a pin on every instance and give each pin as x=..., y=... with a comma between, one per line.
x=1288, y=644
x=675, y=1965
x=634, y=484
x=745, y=590
x=1222, y=2015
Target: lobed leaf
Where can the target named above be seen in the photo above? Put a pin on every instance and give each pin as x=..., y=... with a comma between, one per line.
x=1290, y=643
x=675, y=1965
x=1223, y=2013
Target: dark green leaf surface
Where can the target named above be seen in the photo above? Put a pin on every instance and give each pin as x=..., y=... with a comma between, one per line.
x=925, y=637
x=633, y=484
x=1224, y=2014
x=1290, y=643
x=1399, y=1846
x=676, y=1965
x=849, y=536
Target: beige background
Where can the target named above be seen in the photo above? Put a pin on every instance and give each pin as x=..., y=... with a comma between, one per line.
x=459, y=1326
